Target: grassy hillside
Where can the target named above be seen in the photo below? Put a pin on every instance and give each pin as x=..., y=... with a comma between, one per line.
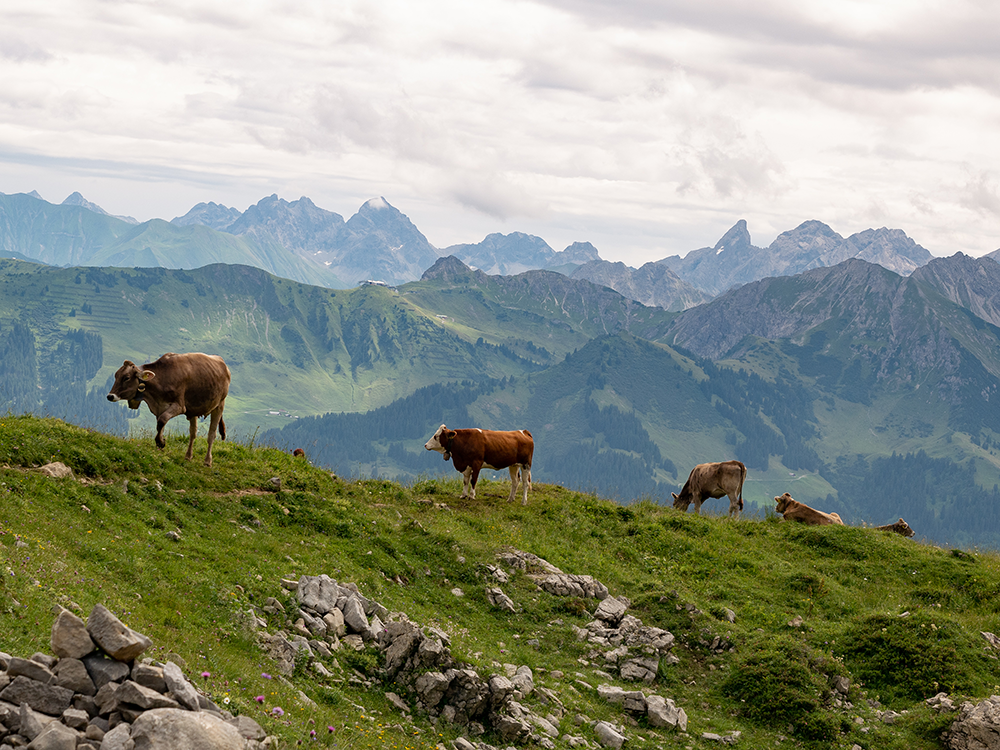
x=899, y=618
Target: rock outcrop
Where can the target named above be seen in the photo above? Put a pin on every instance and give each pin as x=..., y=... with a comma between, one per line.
x=94, y=694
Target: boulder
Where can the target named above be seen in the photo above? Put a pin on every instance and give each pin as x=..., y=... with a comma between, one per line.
x=171, y=729
x=70, y=638
x=608, y=735
x=976, y=728
x=111, y=634
x=662, y=712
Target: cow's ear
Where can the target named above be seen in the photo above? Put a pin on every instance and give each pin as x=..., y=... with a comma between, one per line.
x=147, y=375
x=675, y=495
x=450, y=434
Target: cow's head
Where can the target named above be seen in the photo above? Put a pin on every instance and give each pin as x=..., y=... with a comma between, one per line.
x=129, y=384
x=440, y=441
x=902, y=527
x=784, y=502
x=683, y=500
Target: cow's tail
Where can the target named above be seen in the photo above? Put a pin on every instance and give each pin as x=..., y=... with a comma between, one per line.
x=739, y=492
x=222, y=433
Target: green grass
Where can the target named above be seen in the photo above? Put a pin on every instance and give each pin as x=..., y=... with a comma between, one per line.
x=102, y=538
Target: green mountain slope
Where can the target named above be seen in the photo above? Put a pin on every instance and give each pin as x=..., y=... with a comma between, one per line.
x=878, y=622
x=293, y=349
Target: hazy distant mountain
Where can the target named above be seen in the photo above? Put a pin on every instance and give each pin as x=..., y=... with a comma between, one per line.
x=213, y=215
x=78, y=200
x=63, y=235
x=973, y=283
x=734, y=260
x=505, y=254
x=653, y=284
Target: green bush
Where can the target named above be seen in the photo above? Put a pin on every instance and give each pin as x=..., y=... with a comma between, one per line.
x=780, y=682
x=911, y=658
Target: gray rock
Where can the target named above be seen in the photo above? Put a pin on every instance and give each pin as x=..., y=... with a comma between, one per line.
x=118, y=738
x=354, y=615
x=103, y=669
x=55, y=736
x=334, y=621
x=608, y=735
x=72, y=674
x=150, y=676
x=662, y=712
x=499, y=599
x=31, y=669
x=430, y=688
x=611, y=610
x=976, y=728
x=145, y=698
x=75, y=718
x=57, y=470
x=70, y=638
x=178, y=686
x=47, y=699
x=172, y=729
x=111, y=634
x=248, y=728
x=31, y=723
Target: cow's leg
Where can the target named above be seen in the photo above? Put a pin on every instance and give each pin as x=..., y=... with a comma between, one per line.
x=466, y=476
x=526, y=483
x=471, y=479
x=515, y=477
x=192, y=434
x=165, y=416
x=213, y=426
x=734, y=505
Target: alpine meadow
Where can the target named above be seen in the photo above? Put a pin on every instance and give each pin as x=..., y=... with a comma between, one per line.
x=863, y=384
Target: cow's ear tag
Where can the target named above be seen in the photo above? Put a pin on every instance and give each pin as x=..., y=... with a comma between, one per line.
x=147, y=375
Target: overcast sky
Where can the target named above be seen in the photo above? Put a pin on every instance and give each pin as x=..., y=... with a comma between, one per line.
x=647, y=127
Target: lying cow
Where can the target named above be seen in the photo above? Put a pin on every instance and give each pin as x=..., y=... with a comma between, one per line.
x=793, y=510
x=713, y=480
x=194, y=385
x=475, y=449
x=900, y=527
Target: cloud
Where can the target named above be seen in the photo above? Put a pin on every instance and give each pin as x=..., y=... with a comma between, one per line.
x=981, y=194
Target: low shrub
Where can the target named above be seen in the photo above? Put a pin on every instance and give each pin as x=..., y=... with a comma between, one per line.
x=780, y=682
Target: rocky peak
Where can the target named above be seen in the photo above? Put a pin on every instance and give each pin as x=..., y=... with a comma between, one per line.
x=579, y=252
x=736, y=240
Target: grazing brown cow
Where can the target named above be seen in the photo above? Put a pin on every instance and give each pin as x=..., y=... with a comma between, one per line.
x=299, y=453
x=793, y=510
x=713, y=480
x=474, y=449
x=194, y=385
x=900, y=527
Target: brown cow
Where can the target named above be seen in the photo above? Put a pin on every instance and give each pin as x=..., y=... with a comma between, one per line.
x=713, y=480
x=900, y=527
x=793, y=510
x=194, y=385
x=474, y=449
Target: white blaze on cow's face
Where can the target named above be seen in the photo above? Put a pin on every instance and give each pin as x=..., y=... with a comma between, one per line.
x=434, y=444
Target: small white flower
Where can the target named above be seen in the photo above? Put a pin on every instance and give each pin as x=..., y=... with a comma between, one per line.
x=226, y=700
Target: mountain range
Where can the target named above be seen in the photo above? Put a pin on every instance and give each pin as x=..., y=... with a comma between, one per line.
x=844, y=385
x=300, y=241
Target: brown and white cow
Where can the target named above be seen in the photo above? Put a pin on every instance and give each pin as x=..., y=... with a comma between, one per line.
x=900, y=527
x=793, y=510
x=713, y=480
x=193, y=384
x=474, y=449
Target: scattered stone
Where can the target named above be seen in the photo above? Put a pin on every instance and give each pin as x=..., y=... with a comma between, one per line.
x=57, y=470
x=977, y=726
x=608, y=735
